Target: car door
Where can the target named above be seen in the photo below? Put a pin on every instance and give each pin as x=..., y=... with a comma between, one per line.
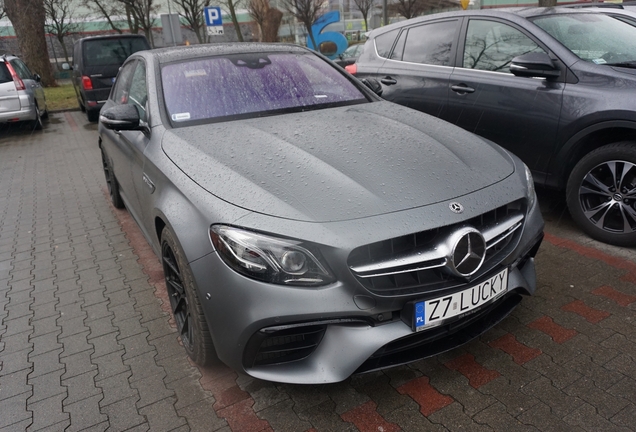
x=418, y=70
x=520, y=114
x=120, y=146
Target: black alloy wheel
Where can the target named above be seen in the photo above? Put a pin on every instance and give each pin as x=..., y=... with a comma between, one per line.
x=111, y=184
x=185, y=304
x=177, y=295
x=602, y=194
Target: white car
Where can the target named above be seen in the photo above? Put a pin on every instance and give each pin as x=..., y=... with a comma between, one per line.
x=21, y=93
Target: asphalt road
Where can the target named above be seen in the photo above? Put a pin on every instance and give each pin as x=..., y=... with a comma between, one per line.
x=87, y=342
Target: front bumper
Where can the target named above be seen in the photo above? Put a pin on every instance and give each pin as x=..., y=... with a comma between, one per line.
x=345, y=328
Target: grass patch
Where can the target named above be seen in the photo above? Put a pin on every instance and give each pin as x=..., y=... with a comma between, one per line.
x=61, y=97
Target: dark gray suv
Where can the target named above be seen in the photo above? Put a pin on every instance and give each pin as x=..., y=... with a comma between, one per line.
x=555, y=86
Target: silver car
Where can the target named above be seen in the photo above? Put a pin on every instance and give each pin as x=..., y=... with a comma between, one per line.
x=308, y=229
x=21, y=93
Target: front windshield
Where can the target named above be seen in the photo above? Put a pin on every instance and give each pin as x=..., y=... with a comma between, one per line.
x=593, y=37
x=251, y=85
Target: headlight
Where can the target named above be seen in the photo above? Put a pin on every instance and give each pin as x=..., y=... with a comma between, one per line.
x=270, y=259
x=530, y=182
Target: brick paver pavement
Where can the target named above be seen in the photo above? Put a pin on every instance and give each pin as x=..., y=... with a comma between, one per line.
x=87, y=343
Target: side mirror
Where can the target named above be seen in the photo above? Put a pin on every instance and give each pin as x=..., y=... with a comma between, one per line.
x=66, y=66
x=37, y=77
x=534, y=65
x=120, y=117
x=373, y=84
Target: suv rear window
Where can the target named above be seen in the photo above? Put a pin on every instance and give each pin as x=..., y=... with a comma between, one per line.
x=104, y=52
x=5, y=76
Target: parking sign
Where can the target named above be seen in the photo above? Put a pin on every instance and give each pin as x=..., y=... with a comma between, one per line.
x=213, y=16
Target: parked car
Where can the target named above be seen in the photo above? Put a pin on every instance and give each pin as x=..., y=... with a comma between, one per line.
x=21, y=93
x=350, y=55
x=96, y=61
x=553, y=85
x=626, y=13
x=294, y=255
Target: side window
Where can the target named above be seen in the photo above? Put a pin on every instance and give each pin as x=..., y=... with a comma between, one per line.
x=122, y=85
x=138, y=94
x=21, y=69
x=431, y=43
x=384, y=43
x=492, y=45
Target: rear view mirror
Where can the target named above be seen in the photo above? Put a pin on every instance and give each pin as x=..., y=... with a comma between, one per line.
x=534, y=65
x=37, y=77
x=120, y=117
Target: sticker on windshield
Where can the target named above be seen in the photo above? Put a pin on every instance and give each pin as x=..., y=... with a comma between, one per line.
x=599, y=61
x=180, y=116
x=195, y=73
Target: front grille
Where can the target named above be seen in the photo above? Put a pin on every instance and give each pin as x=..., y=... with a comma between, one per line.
x=282, y=346
x=416, y=263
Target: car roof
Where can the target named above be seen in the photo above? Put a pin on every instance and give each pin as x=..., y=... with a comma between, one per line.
x=111, y=36
x=179, y=53
x=510, y=13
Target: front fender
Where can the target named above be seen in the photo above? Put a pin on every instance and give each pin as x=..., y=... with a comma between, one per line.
x=582, y=142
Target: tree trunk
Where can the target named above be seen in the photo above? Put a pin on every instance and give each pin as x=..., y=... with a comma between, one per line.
x=237, y=26
x=28, y=18
x=271, y=24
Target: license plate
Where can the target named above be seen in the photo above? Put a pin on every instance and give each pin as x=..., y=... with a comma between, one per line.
x=433, y=312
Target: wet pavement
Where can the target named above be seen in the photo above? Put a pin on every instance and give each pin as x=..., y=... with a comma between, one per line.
x=87, y=342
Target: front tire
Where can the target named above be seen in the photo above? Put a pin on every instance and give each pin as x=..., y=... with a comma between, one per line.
x=601, y=194
x=111, y=183
x=185, y=303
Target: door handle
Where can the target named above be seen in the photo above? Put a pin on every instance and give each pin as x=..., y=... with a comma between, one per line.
x=462, y=89
x=388, y=81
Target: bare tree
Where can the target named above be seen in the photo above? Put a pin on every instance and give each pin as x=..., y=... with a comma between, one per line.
x=106, y=9
x=28, y=18
x=231, y=6
x=60, y=15
x=364, y=6
x=141, y=12
x=257, y=10
x=412, y=8
x=307, y=12
x=138, y=14
x=192, y=12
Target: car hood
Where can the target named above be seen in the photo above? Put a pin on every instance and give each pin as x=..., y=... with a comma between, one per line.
x=336, y=164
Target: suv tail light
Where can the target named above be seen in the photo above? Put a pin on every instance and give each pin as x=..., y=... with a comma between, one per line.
x=87, y=83
x=19, y=84
x=352, y=69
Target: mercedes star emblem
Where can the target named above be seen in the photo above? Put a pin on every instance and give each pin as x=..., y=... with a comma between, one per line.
x=456, y=207
x=467, y=253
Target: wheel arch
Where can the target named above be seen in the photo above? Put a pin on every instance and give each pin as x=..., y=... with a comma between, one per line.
x=585, y=141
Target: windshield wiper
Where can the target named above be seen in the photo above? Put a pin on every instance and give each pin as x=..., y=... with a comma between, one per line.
x=627, y=64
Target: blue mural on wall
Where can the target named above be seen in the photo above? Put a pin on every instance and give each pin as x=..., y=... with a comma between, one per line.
x=330, y=36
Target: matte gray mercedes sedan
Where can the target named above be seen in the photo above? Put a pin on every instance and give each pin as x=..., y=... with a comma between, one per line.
x=308, y=229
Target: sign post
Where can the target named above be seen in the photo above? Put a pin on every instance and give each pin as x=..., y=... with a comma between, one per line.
x=213, y=20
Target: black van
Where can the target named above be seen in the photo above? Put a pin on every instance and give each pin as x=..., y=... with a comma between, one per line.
x=96, y=61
